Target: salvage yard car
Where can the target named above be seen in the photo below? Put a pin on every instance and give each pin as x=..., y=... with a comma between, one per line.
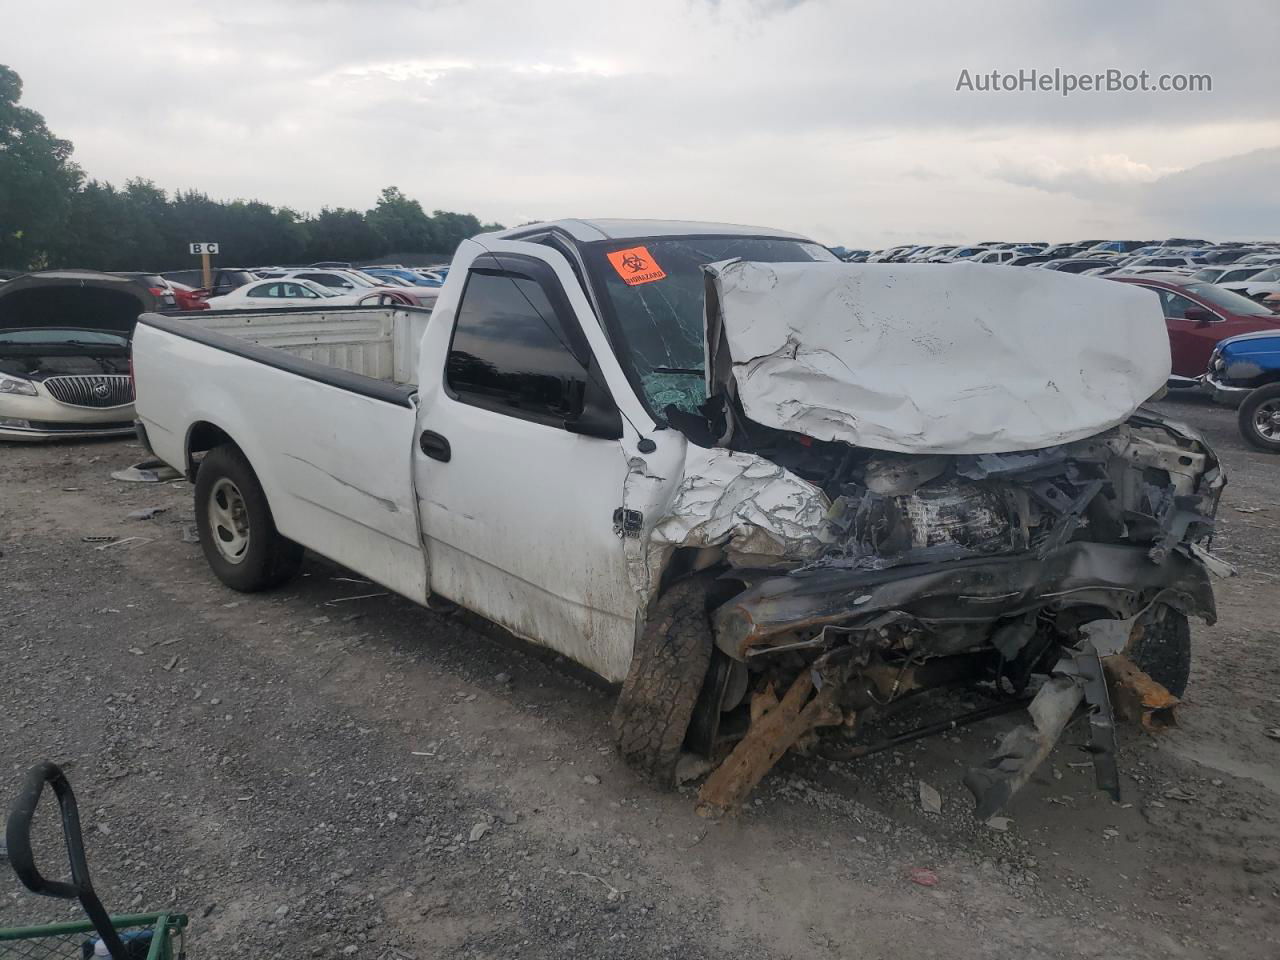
x=1198, y=316
x=64, y=354
x=1244, y=371
x=768, y=492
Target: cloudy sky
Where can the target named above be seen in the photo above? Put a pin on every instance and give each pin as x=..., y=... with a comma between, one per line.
x=837, y=119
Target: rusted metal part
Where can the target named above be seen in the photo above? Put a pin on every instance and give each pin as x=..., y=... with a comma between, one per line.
x=775, y=726
x=1136, y=697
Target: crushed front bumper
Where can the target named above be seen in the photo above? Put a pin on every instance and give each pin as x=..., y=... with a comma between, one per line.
x=1121, y=580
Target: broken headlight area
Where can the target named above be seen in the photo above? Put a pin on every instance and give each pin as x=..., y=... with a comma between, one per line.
x=986, y=571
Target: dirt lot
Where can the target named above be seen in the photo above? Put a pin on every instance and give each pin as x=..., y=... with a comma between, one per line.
x=313, y=772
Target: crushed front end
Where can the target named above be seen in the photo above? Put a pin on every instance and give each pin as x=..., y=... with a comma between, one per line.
x=1008, y=572
x=909, y=480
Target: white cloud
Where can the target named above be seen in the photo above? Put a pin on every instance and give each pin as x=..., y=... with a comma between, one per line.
x=837, y=119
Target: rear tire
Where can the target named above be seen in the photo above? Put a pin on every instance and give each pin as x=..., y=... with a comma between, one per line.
x=668, y=667
x=237, y=532
x=1259, y=418
x=1163, y=648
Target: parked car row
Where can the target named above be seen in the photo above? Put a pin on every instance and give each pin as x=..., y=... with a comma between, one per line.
x=1204, y=303
x=65, y=335
x=1252, y=269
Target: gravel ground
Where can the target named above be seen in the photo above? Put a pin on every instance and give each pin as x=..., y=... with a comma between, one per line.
x=312, y=772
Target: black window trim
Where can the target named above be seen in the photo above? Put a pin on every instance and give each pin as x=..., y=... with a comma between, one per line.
x=540, y=272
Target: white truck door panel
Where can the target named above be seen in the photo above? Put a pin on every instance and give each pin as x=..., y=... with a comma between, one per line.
x=519, y=519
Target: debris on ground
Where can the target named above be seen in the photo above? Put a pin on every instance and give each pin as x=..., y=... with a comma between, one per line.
x=119, y=543
x=146, y=513
x=930, y=799
x=923, y=876
x=148, y=471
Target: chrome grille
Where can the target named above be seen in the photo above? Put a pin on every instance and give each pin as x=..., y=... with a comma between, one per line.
x=111, y=390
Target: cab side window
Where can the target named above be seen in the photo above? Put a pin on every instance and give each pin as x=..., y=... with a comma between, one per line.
x=510, y=351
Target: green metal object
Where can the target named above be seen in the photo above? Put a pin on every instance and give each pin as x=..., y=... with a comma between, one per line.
x=64, y=941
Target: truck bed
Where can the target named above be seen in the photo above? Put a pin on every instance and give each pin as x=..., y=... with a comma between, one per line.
x=376, y=342
x=320, y=402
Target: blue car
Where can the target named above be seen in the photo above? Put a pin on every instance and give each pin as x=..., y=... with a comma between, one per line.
x=1246, y=370
x=416, y=279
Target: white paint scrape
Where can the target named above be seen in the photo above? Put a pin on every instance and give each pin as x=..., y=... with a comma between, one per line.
x=938, y=358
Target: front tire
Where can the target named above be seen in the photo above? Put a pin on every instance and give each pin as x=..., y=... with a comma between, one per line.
x=237, y=532
x=668, y=667
x=1259, y=418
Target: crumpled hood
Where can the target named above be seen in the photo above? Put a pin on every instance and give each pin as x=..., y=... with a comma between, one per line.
x=932, y=358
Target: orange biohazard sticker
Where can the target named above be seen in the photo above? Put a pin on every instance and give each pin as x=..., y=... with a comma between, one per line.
x=636, y=265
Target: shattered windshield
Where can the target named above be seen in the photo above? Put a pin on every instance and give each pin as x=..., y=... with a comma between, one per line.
x=654, y=290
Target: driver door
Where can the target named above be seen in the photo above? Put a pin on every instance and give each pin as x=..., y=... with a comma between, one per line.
x=519, y=463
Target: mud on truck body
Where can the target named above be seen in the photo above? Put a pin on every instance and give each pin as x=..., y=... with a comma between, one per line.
x=771, y=494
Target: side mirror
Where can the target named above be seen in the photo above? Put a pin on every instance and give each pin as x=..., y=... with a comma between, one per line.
x=599, y=418
x=1199, y=315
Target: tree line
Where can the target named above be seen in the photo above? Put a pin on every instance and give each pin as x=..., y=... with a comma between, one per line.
x=52, y=215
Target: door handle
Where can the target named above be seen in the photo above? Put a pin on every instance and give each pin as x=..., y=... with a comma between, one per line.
x=435, y=446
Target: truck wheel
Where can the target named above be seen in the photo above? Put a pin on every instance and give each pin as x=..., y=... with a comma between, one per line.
x=237, y=533
x=668, y=666
x=1163, y=648
x=1260, y=418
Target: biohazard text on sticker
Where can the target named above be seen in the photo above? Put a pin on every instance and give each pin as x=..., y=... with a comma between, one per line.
x=636, y=265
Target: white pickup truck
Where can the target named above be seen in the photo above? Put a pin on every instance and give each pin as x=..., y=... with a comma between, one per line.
x=772, y=492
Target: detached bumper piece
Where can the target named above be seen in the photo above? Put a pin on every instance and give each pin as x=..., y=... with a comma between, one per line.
x=1076, y=679
x=1083, y=678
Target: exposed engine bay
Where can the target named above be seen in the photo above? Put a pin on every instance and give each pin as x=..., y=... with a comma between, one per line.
x=989, y=570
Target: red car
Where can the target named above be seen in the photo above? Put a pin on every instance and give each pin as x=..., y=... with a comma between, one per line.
x=1198, y=316
x=189, y=298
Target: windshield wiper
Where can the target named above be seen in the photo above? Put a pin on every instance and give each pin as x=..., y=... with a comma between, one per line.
x=691, y=371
